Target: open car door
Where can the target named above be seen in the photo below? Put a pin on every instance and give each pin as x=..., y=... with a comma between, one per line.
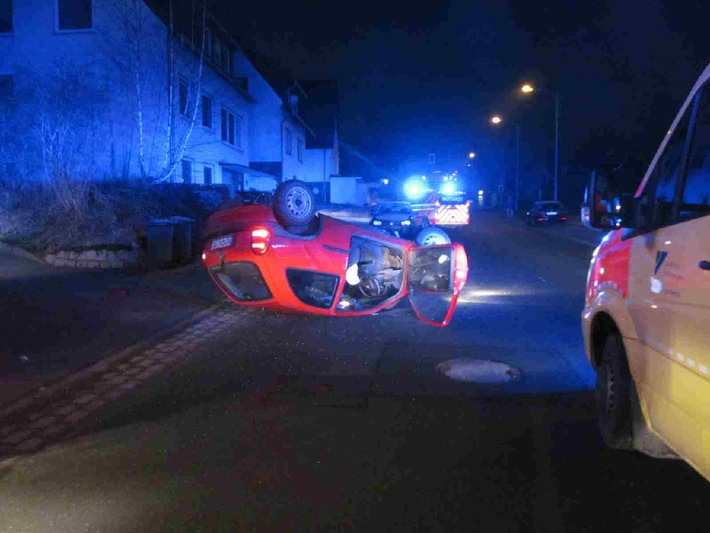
x=436, y=275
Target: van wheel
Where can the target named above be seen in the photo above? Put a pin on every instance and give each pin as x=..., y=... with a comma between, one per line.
x=613, y=395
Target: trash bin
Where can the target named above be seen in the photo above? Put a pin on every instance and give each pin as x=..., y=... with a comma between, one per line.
x=159, y=243
x=182, y=239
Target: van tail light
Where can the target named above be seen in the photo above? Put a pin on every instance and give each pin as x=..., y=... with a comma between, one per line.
x=260, y=240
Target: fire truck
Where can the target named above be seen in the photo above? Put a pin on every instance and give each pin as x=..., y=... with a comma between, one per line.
x=447, y=207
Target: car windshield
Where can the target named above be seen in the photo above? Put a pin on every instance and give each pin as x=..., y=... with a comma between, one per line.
x=395, y=209
x=551, y=206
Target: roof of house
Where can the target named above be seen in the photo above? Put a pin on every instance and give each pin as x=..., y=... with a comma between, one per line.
x=320, y=110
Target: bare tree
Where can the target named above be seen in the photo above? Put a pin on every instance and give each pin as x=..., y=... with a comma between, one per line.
x=66, y=108
x=153, y=71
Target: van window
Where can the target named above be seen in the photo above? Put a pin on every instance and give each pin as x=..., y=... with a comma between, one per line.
x=667, y=171
x=695, y=201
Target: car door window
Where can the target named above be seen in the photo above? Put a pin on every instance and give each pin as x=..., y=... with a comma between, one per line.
x=695, y=199
x=667, y=172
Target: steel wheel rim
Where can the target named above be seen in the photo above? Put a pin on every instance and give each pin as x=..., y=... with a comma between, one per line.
x=298, y=202
x=433, y=240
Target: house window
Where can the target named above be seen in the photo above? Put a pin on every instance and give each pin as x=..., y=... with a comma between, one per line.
x=231, y=128
x=183, y=96
x=226, y=61
x=208, y=42
x=289, y=142
x=207, y=111
x=223, y=55
x=186, y=171
x=7, y=86
x=238, y=130
x=207, y=175
x=5, y=16
x=74, y=15
x=299, y=149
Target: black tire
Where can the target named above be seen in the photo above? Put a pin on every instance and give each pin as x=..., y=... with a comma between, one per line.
x=432, y=236
x=613, y=395
x=294, y=205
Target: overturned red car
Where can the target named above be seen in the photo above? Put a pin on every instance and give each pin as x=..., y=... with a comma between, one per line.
x=287, y=258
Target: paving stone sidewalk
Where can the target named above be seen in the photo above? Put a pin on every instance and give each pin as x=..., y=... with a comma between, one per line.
x=54, y=320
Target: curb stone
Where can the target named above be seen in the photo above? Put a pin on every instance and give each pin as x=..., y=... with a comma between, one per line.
x=19, y=252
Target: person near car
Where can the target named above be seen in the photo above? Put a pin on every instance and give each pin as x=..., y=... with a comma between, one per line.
x=509, y=206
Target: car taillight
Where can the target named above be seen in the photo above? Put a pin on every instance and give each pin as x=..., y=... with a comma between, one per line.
x=260, y=240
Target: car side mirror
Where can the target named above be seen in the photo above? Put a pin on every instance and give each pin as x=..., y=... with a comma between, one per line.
x=606, y=207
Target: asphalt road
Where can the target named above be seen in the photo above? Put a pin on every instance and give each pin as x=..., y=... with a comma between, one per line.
x=292, y=423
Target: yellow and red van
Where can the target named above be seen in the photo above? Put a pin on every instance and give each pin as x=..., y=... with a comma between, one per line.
x=646, y=318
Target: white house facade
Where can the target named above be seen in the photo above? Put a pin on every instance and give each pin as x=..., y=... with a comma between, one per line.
x=94, y=74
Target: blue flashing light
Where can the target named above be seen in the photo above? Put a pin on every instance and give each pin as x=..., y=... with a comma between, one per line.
x=414, y=189
x=448, y=188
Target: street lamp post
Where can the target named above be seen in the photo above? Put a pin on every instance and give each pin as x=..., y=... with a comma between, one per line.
x=527, y=88
x=517, y=164
x=496, y=120
x=557, y=140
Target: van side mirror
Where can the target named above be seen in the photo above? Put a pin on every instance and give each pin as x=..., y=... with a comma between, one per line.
x=605, y=206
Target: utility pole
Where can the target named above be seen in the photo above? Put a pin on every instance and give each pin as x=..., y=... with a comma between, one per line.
x=517, y=165
x=557, y=140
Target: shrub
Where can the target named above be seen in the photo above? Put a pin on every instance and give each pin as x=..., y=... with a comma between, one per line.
x=108, y=212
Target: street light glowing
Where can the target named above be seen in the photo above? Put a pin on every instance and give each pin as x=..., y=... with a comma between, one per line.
x=496, y=119
x=385, y=181
x=471, y=155
x=527, y=88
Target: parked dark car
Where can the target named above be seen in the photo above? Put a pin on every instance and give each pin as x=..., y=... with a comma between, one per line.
x=397, y=218
x=546, y=212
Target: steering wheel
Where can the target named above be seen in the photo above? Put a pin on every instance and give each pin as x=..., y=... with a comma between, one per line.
x=369, y=286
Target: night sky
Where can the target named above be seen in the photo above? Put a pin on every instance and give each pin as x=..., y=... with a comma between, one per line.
x=425, y=78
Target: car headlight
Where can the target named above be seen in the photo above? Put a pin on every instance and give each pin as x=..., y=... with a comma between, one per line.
x=406, y=222
x=376, y=223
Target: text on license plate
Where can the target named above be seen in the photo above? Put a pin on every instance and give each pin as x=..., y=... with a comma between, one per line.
x=222, y=242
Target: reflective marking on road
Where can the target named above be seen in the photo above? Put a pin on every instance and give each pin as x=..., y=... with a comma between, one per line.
x=40, y=419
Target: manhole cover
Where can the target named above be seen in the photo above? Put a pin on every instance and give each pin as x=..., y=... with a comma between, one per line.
x=478, y=370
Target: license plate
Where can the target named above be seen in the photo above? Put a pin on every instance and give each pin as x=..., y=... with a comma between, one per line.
x=222, y=242
x=551, y=213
